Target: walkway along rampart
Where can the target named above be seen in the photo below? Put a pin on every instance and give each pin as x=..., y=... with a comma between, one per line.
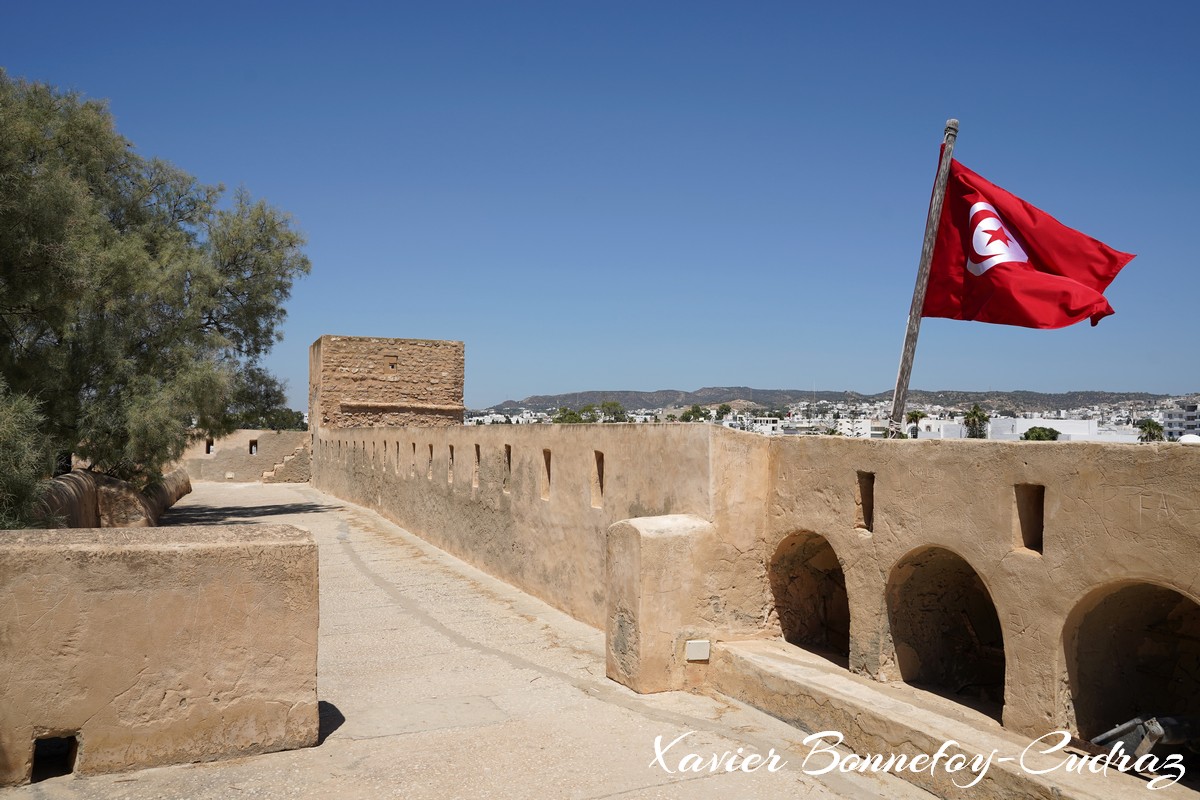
x=1058, y=580
x=1052, y=584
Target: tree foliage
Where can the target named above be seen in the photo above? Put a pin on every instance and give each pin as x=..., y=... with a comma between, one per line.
x=1151, y=431
x=613, y=411
x=569, y=416
x=976, y=422
x=913, y=418
x=609, y=411
x=130, y=298
x=257, y=401
x=25, y=460
x=1039, y=433
x=695, y=414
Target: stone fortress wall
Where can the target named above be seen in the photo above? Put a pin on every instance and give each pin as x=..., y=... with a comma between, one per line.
x=1053, y=582
x=250, y=456
x=362, y=381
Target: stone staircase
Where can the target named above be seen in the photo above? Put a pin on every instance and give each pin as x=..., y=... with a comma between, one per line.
x=295, y=468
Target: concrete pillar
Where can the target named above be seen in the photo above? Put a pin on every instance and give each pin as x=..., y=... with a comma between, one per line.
x=652, y=582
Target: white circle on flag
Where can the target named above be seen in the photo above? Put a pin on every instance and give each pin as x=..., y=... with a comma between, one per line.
x=992, y=242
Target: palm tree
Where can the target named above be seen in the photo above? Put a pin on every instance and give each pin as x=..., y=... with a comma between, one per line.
x=976, y=421
x=1151, y=431
x=914, y=418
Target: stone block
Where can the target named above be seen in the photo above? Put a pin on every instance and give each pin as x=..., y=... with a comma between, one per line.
x=651, y=578
x=155, y=646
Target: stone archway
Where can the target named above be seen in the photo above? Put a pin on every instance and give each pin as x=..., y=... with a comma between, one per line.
x=945, y=628
x=1132, y=649
x=809, y=589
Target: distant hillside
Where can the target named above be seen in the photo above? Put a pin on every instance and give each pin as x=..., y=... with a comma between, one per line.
x=777, y=398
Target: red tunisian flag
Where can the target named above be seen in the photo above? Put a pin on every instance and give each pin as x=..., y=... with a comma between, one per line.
x=998, y=259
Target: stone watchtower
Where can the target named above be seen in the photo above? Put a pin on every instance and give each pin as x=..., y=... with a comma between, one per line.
x=364, y=382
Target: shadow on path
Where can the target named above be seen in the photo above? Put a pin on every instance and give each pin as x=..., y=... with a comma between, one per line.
x=329, y=720
x=223, y=515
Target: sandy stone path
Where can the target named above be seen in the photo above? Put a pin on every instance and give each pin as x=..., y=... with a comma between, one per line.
x=438, y=681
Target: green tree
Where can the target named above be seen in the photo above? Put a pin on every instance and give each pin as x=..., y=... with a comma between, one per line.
x=913, y=418
x=258, y=401
x=566, y=416
x=1151, y=431
x=569, y=416
x=724, y=410
x=695, y=414
x=1040, y=434
x=25, y=460
x=976, y=422
x=613, y=411
x=130, y=301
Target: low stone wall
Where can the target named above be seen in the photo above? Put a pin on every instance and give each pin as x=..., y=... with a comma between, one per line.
x=156, y=646
x=242, y=456
x=86, y=499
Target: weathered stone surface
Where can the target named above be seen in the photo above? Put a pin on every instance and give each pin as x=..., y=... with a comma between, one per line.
x=885, y=527
x=86, y=499
x=244, y=455
x=880, y=720
x=493, y=501
x=70, y=502
x=362, y=382
x=157, y=646
x=651, y=577
x=295, y=468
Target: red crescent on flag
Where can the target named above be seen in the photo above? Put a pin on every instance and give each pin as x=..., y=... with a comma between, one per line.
x=978, y=219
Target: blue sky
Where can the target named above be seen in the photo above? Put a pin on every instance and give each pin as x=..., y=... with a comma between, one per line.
x=652, y=195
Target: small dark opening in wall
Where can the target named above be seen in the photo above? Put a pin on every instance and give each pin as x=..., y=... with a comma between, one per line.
x=546, y=475
x=864, y=503
x=208, y=447
x=53, y=757
x=412, y=468
x=450, y=467
x=507, y=466
x=475, y=472
x=1029, y=516
x=429, y=465
x=598, y=481
x=254, y=447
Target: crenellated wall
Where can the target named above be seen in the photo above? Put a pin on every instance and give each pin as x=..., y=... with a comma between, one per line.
x=526, y=503
x=986, y=569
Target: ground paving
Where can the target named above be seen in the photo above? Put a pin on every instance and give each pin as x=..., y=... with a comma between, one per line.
x=438, y=681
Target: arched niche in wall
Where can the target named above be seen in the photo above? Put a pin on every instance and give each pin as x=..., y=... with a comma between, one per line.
x=1132, y=649
x=809, y=589
x=946, y=630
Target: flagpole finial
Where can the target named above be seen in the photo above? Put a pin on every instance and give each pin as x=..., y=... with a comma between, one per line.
x=952, y=126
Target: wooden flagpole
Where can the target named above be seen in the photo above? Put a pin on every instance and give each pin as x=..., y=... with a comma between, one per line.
x=918, y=302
